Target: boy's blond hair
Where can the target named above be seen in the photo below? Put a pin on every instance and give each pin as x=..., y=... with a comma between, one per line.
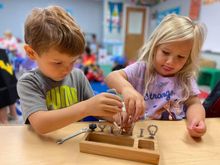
x=53, y=27
x=174, y=28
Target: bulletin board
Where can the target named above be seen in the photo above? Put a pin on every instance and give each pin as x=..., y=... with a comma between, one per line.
x=162, y=14
x=210, y=17
x=113, y=20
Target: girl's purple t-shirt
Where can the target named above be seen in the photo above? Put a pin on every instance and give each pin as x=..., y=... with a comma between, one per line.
x=163, y=99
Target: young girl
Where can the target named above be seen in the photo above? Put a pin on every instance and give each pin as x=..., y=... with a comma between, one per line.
x=161, y=85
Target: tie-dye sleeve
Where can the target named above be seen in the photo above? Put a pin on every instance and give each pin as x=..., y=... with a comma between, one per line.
x=135, y=73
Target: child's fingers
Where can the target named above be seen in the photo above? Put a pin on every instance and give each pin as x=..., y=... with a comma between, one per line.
x=140, y=108
x=126, y=104
x=111, y=100
x=195, y=134
x=193, y=124
x=108, y=114
x=113, y=109
x=112, y=96
x=131, y=108
x=124, y=117
x=196, y=124
x=117, y=118
x=197, y=129
x=200, y=128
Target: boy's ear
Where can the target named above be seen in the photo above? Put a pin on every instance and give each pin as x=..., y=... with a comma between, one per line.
x=30, y=52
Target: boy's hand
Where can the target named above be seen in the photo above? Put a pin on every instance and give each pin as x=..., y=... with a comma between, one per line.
x=104, y=104
x=196, y=128
x=134, y=103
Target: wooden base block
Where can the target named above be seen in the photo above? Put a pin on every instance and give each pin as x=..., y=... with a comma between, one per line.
x=123, y=147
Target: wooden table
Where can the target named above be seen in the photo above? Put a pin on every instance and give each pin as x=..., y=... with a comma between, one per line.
x=20, y=145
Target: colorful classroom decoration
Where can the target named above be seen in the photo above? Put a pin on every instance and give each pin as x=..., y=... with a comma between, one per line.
x=162, y=14
x=194, y=10
x=113, y=20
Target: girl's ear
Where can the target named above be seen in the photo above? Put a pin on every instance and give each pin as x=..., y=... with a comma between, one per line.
x=30, y=52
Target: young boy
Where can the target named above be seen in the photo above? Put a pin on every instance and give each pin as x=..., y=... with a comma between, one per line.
x=55, y=95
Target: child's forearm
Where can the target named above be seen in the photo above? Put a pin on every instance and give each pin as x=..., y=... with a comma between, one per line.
x=118, y=80
x=195, y=111
x=47, y=121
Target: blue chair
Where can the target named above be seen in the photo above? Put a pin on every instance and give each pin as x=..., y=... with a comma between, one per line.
x=99, y=87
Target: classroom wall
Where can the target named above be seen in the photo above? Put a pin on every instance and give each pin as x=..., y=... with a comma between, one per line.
x=212, y=56
x=88, y=14
x=168, y=4
x=209, y=16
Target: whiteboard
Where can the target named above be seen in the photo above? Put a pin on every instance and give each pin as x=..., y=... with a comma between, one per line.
x=210, y=16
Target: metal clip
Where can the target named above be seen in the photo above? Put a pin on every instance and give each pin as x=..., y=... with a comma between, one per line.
x=152, y=129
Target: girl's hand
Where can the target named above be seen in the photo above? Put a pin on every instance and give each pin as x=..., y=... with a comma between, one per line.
x=196, y=128
x=195, y=115
x=134, y=103
x=104, y=104
x=123, y=120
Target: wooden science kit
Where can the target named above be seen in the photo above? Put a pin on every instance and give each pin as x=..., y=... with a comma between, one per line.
x=135, y=148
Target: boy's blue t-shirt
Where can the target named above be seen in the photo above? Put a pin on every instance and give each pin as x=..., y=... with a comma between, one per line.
x=38, y=92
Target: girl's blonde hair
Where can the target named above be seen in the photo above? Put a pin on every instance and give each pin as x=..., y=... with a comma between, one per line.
x=175, y=28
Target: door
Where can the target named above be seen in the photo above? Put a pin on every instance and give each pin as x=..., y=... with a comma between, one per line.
x=134, y=33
